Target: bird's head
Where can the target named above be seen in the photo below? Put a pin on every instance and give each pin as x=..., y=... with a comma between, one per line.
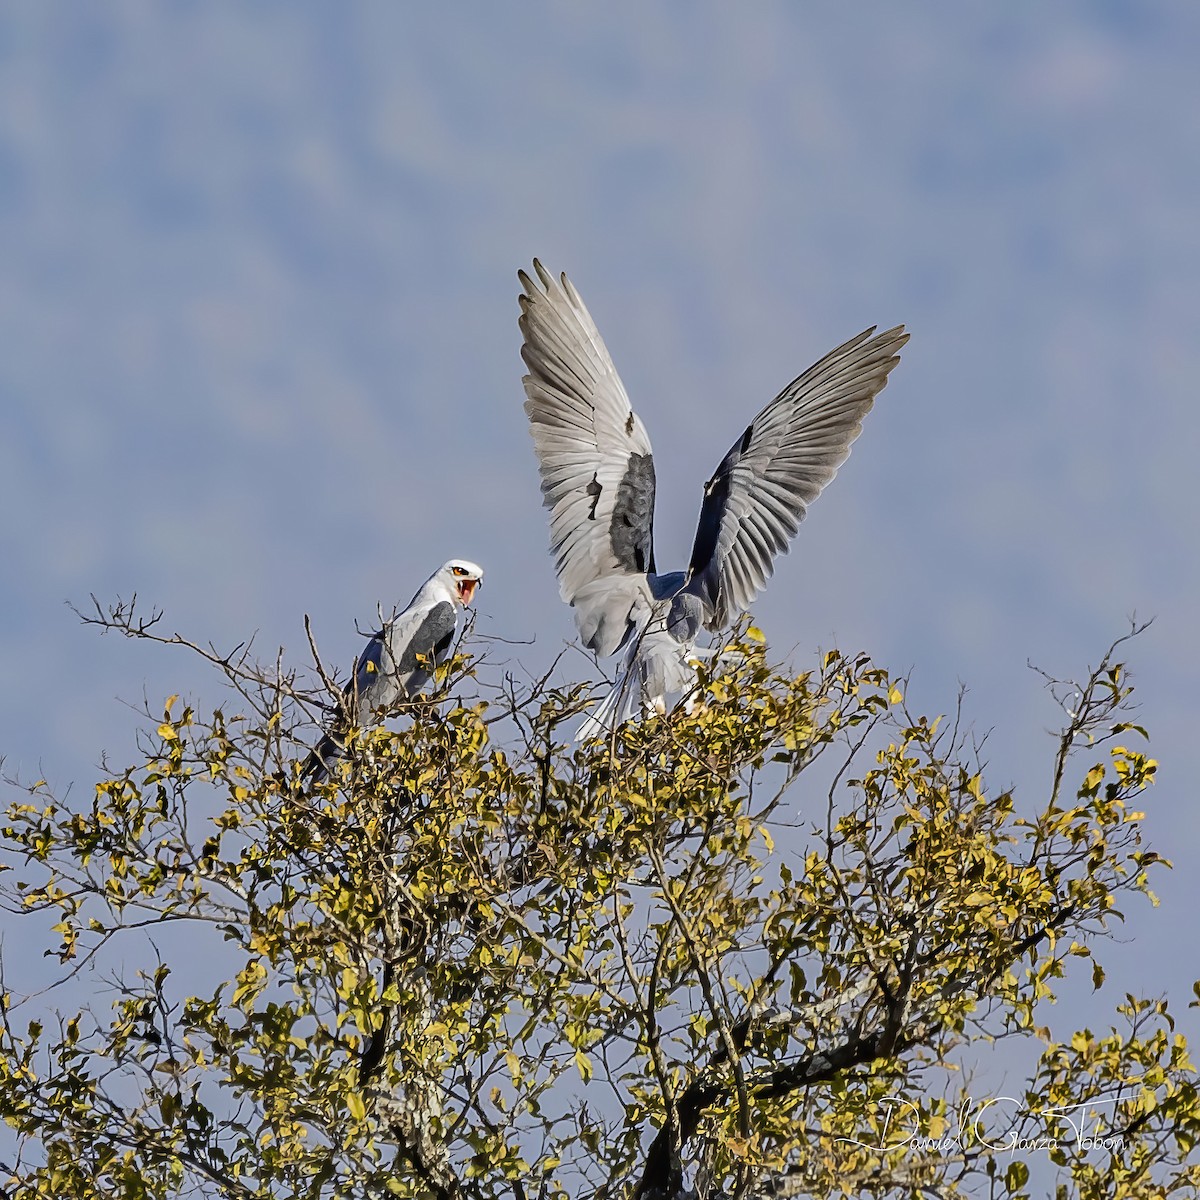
x=463, y=578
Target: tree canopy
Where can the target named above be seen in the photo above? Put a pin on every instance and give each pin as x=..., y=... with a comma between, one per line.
x=750, y=948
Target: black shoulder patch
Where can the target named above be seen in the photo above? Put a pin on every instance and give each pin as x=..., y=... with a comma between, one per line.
x=708, y=528
x=432, y=638
x=632, y=528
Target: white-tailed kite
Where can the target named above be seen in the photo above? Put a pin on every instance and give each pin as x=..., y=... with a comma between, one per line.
x=399, y=659
x=597, y=473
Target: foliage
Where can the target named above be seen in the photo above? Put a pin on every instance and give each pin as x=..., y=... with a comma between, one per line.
x=741, y=949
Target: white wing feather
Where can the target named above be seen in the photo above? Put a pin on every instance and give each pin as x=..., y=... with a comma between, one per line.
x=593, y=451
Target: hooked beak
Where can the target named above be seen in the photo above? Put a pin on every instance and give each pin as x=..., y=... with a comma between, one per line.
x=466, y=590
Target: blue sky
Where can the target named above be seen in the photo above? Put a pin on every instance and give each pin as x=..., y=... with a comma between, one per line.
x=259, y=358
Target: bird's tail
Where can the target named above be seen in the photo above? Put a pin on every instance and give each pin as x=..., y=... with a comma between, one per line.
x=324, y=756
x=621, y=702
x=655, y=667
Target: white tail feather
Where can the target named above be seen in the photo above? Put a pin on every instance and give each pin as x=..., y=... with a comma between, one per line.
x=655, y=666
x=621, y=702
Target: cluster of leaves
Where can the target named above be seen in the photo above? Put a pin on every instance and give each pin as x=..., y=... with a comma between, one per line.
x=716, y=954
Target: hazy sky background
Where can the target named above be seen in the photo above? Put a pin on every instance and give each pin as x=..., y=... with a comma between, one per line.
x=259, y=355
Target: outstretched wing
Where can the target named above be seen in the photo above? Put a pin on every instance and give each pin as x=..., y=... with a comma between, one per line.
x=754, y=503
x=593, y=452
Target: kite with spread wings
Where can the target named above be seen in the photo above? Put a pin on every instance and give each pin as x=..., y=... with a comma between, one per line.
x=597, y=473
x=399, y=659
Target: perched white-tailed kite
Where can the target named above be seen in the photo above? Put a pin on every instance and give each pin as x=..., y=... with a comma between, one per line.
x=399, y=659
x=597, y=474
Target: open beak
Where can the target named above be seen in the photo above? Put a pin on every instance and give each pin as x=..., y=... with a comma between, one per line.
x=466, y=590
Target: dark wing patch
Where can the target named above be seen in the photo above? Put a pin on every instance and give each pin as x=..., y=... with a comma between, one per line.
x=632, y=527
x=358, y=692
x=708, y=528
x=754, y=503
x=431, y=640
x=368, y=670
